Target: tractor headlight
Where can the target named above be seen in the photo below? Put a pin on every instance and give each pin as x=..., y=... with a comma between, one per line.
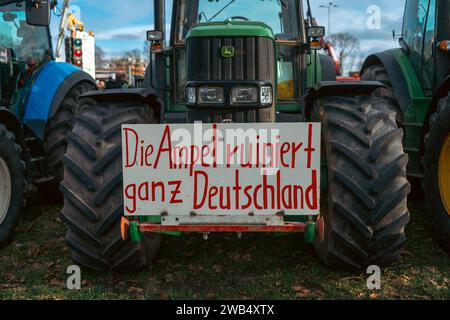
x=244, y=95
x=210, y=95
x=266, y=95
x=191, y=96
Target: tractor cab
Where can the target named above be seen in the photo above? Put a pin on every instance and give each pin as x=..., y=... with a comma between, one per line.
x=274, y=21
x=25, y=44
x=425, y=37
x=252, y=59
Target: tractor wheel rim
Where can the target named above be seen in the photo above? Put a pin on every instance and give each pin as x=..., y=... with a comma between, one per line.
x=5, y=189
x=444, y=173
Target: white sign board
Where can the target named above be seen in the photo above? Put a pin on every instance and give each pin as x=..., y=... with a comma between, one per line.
x=223, y=169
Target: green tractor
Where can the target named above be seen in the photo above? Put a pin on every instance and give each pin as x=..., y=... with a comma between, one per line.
x=38, y=100
x=417, y=83
x=223, y=65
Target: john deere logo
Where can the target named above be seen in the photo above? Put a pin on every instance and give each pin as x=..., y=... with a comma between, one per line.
x=228, y=51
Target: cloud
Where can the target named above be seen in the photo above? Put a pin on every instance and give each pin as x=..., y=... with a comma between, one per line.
x=121, y=25
x=352, y=17
x=125, y=33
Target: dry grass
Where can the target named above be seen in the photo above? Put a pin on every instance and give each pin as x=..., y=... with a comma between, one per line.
x=256, y=267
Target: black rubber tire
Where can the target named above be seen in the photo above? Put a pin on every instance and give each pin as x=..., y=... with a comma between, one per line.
x=92, y=189
x=55, y=141
x=328, y=68
x=379, y=73
x=367, y=187
x=10, y=153
x=439, y=129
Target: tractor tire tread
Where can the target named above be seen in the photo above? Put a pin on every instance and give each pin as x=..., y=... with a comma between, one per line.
x=56, y=140
x=368, y=189
x=439, y=128
x=92, y=189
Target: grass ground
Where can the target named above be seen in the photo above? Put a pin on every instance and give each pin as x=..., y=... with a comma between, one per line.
x=256, y=267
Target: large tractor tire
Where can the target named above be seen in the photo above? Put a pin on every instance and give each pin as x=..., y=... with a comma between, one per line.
x=11, y=184
x=437, y=171
x=364, y=220
x=379, y=73
x=92, y=189
x=56, y=139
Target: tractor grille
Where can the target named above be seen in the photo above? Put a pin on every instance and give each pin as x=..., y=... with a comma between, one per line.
x=253, y=60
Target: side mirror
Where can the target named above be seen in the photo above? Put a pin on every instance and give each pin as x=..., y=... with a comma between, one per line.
x=316, y=32
x=155, y=35
x=38, y=12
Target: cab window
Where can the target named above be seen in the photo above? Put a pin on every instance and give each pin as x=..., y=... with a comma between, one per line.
x=430, y=36
x=28, y=43
x=279, y=15
x=418, y=32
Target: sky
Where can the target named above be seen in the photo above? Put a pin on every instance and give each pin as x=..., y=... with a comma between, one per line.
x=121, y=25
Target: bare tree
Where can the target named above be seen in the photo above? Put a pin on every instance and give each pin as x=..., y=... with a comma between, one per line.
x=119, y=63
x=135, y=55
x=347, y=47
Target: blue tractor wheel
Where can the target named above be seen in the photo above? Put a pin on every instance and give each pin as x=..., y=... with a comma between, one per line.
x=11, y=184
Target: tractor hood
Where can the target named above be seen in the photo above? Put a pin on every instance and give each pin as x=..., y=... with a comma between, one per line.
x=231, y=28
x=231, y=57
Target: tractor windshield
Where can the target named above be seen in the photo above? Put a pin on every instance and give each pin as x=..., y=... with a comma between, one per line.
x=28, y=43
x=280, y=15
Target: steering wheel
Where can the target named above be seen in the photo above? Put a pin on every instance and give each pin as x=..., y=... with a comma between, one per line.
x=239, y=18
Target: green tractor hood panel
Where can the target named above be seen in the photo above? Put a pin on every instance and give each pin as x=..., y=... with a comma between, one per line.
x=232, y=28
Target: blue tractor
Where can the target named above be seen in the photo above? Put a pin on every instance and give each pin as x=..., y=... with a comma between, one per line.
x=38, y=101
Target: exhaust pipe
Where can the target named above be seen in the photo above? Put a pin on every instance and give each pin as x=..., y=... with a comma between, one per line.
x=444, y=21
x=160, y=17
